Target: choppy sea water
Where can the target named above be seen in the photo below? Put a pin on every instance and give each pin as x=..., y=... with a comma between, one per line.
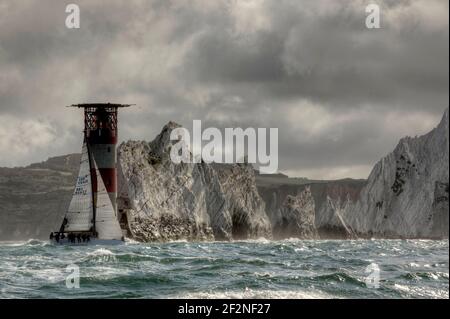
x=241, y=269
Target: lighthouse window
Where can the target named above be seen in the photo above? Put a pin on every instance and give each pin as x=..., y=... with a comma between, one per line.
x=109, y=149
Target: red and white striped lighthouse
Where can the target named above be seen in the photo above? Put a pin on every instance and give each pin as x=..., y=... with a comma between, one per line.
x=100, y=127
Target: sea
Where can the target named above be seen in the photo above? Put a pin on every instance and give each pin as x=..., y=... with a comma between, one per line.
x=261, y=268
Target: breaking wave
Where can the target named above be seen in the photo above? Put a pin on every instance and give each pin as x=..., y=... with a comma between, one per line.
x=258, y=268
x=256, y=294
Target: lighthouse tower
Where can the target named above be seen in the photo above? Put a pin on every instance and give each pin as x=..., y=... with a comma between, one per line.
x=100, y=129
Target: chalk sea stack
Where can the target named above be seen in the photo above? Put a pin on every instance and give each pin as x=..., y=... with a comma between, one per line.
x=167, y=201
x=405, y=196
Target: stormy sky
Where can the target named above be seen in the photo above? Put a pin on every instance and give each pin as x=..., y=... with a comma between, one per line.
x=341, y=95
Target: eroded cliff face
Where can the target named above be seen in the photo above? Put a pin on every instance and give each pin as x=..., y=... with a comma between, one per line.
x=167, y=201
x=246, y=207
x=330, y=218
x=295, y=218
x=329, y=197
x=407, y=191
x=406, y=196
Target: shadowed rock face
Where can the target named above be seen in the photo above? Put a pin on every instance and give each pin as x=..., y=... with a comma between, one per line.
x=33, y=199
x=295, y=218
x=327, y=197
x=245, y=205
x=199, y=201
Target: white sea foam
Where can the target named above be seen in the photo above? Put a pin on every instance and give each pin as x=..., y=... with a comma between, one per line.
x=260, y=240
x=418, y=291
x=101, y=255
x=129, y=241
x=257, y=294
x=101, y=252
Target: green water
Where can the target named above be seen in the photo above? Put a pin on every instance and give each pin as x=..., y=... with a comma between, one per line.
x=243, y=269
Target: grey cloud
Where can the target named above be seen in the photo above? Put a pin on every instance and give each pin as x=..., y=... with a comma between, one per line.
x=286, y=64
x=328, y=58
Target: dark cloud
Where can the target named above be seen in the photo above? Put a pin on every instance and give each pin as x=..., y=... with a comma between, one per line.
x=340, y=94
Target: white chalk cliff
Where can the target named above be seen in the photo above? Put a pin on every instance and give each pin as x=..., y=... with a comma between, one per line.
x=407, y=192
x=167, y=201
x=406, y=196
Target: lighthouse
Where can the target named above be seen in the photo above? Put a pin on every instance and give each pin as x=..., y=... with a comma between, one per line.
x=100, y=130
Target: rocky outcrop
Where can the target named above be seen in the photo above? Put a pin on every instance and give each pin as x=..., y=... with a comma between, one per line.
x=330, y=197
x=330, y=221
x=407, y=191
x=296, y=217
x=168, y=201
x=246, y=207
x=406, y=196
